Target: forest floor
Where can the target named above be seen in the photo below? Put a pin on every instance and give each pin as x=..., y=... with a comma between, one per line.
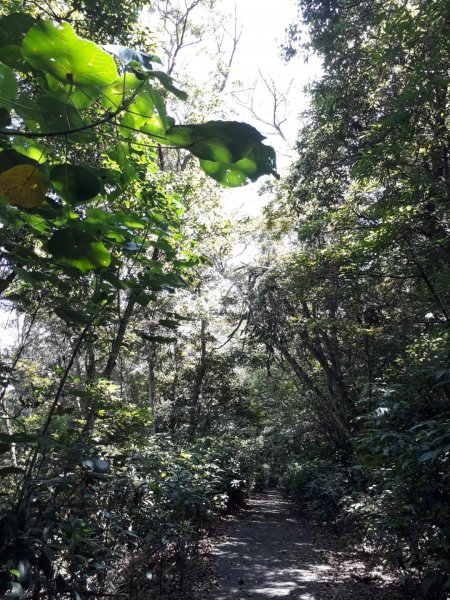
x=271, y=551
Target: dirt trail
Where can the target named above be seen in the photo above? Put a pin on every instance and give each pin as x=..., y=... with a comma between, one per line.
x=272, y=552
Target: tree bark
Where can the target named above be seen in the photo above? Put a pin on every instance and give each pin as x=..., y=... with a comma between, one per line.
x=151, y=382
x=198, y=380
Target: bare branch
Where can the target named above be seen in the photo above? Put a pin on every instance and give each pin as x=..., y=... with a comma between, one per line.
x=278, y=102
x=235, y=38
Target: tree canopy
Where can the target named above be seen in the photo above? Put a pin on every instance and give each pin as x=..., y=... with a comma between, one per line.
x=156, y=380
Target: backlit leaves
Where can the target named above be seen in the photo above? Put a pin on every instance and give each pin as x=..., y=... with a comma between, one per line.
x=60, y=52
x=78, y=249
x=75, y=183
x=229, y=151
x=8, y=85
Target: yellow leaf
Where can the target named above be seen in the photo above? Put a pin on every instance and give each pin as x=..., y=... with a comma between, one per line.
x=23, y=185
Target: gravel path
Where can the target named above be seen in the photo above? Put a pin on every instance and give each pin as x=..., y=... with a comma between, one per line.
x=272, y=552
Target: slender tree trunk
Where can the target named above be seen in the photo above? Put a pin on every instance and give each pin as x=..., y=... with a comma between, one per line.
x=151, y=382
x=91, y=416
x=118, y=340
x=197, y=386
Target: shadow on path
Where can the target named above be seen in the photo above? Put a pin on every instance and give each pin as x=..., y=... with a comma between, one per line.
x=272, y=553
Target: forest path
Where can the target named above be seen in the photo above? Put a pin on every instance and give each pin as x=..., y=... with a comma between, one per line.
x=272, y=552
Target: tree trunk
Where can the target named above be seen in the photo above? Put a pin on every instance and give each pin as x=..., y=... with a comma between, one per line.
x=151, y=382
x=197, y=386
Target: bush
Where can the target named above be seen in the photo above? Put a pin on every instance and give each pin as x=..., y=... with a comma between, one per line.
x=87, y=514
x=404, y=511
x=319, y=485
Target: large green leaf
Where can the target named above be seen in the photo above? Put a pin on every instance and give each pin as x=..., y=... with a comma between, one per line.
x=13, y=28
x=29, y=148
x=8, y=86
x=224, y=141
x=60, y=117
x=79, y=97
x=78, y=249
x=230, y=152
x=28, y=110
x=70, y=315
x=5, y=118
x=138, y=113
x=70, y=59
x=10, y=158
x=76, y=184
x=259, y=161
x=160, y=106
x=118, y=92
x=167, y=82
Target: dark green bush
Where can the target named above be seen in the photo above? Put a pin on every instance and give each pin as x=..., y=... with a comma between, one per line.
x=318, y=484
x=99, y=510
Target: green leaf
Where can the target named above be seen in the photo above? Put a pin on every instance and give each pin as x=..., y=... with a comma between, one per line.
x=116, y=94
x=79, y=97
x=46, y=442
x=230, y=152
x=159, y=339
x=76, y=184
x=169, y=323
x=224, y=141
x=13, y=28
x=257, y=163
x=155, y=127
x=142, y=298
x=29, y=111
x=72, y=316
x=29, y=148
x=167, y=82
x=5, y=118
x=12, y=56
x=57, y=116
x=15, y=572
x=18, y=438
x=225, y=173
x=8, y=85
x=70, y=59
x=138, y=113
x=78, y=249
x=430, y=455
x=160, y=106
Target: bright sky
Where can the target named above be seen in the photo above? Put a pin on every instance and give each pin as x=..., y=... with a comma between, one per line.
x=264, y=23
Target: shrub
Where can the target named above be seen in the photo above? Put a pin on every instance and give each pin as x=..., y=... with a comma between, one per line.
x=318, y=484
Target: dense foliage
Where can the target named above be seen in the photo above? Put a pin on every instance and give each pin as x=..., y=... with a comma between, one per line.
x=93, y=247
x=155, y=382
x=357, y=306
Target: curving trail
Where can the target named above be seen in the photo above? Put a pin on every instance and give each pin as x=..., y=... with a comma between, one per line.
x=272, y=552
